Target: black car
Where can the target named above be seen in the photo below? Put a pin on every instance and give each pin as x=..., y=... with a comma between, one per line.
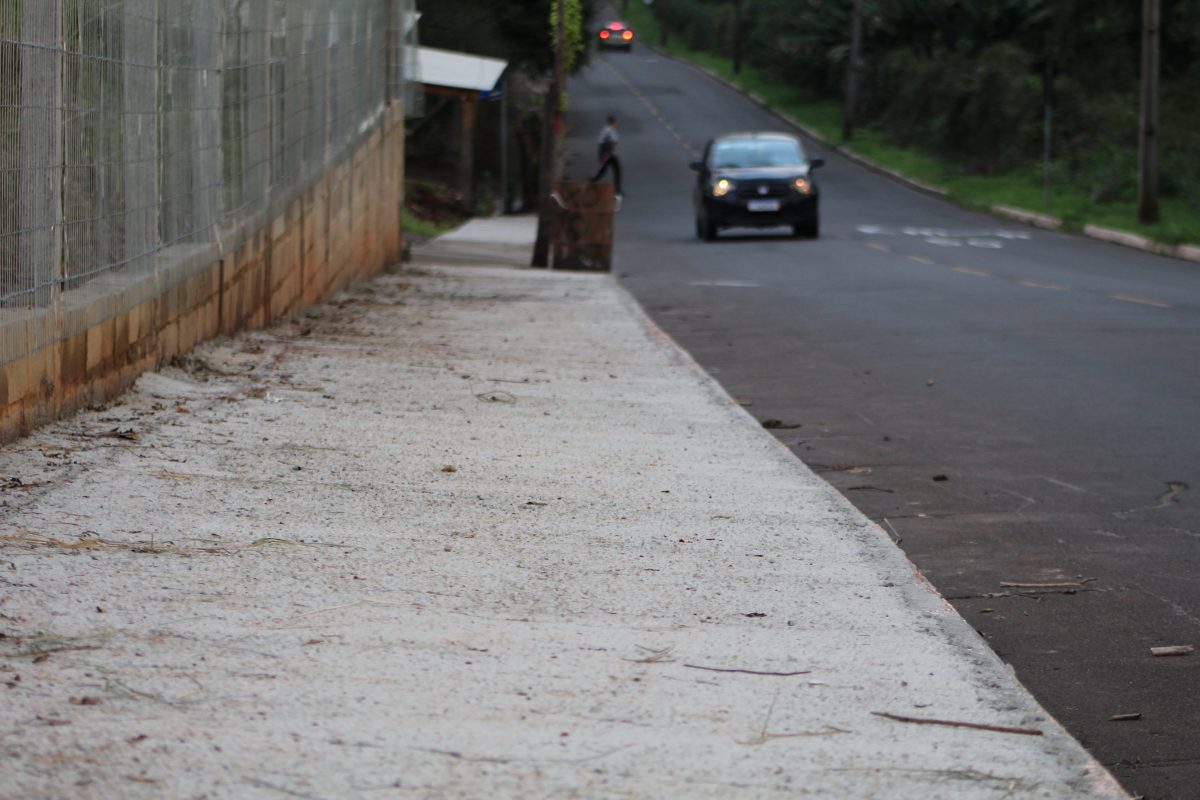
x=615, y=35
x=758, y=180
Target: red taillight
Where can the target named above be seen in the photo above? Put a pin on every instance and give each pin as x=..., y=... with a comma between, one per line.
x=604, y=34
x=627, y=35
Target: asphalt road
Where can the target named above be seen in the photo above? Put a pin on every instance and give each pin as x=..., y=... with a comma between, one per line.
x=1014, y=406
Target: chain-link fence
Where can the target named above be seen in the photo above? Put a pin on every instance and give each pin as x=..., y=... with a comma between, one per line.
x=134, y=130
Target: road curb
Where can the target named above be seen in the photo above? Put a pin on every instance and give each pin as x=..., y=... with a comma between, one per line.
x=1186, y=252
x=1028, y=217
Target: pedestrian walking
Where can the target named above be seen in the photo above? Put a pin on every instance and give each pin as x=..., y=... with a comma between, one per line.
x=606, y=146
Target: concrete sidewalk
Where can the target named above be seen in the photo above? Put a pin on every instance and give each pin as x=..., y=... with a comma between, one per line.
x=475, y=532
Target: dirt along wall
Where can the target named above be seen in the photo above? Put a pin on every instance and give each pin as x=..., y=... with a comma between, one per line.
x=345, y=227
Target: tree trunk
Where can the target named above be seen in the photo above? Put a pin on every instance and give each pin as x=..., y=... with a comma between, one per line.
x=541, y=247
x=1148, y=138
x=850, y=112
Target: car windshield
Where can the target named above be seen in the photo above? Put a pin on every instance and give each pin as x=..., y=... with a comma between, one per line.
x=736, y=153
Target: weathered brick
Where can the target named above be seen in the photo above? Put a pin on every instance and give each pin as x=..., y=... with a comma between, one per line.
x=74, y=360
x=168, y=341
x=121, y=339
x=100, y=344
x=16, y=380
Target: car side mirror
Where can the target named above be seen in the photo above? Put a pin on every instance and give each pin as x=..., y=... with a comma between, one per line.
x=816, y=162
x=698, y=166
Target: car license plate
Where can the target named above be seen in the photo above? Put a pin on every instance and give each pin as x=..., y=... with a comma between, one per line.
x=763, y=205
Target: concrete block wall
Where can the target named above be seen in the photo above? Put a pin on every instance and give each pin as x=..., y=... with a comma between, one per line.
x=346, y=227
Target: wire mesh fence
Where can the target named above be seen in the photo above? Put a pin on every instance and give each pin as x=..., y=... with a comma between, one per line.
x=131, y=130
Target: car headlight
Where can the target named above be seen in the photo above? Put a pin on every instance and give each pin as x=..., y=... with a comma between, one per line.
x=803, y=186
x=722, y=187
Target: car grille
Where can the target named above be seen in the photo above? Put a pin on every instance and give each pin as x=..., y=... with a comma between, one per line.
x=752, y=189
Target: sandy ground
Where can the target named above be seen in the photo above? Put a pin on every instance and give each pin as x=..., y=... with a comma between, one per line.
x=474, y=533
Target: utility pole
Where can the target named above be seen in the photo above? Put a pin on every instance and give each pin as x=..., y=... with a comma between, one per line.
x=553, y=128
x=738, y=36
x=1148, y=129
x=1047, y=130
x=850, y=112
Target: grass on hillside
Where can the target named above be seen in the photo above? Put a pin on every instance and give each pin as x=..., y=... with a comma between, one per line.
x=1179, y=221
x=418, y=228
x=430, y=210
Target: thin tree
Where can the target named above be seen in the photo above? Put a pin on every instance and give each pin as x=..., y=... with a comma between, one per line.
x=566, y=27
x=1148, y=130
x=853, y=63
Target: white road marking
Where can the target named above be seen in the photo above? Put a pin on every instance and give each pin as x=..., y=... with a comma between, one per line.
x=1142, y=301
x=654, y=111
x=1058, y=287
x=1063, y=484
x=727, y=284
x=944, y=237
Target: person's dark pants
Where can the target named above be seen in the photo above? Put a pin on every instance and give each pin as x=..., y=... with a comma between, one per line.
x=612, y=162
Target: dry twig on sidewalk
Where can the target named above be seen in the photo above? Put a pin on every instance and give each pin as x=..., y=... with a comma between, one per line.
x=366, y=601
x=749, y=671
x=958, y=724
x=766, y=735
x=49, y=651
x=655, y=656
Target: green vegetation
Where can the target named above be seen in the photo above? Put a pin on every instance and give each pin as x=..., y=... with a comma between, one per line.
x=515, y=30
x=953, y=94
x=430, y=209
x=573, y=29
x=421, y=228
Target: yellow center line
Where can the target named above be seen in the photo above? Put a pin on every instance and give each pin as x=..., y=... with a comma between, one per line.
x=880, y=247
x=1058, y=287
x=1142, y=301
x=654, y=111
x=981, y=273
x=921, y=260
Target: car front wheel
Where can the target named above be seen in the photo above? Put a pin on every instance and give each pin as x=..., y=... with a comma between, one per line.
x=809, y=228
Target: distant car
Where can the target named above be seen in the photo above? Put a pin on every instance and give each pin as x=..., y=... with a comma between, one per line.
x=756, y=180
x=616, y=35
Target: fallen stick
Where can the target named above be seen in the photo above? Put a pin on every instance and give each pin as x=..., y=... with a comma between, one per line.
x=767, y=736
x=749, y=671
x=1069, y=585
x=956, y=724
x=1173, y=650
x=654, y=657
x=49, y=651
